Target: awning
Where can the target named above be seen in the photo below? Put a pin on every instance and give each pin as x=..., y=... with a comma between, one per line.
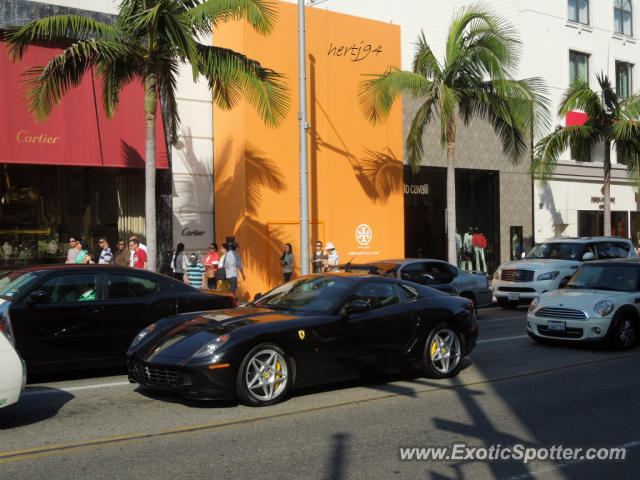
x=77, y=133
x=576, y=118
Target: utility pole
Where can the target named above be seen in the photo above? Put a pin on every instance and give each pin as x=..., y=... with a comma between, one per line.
x=303, y=127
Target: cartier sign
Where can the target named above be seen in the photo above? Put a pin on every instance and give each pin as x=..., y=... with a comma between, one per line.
x=24, y=136
x=186, y=232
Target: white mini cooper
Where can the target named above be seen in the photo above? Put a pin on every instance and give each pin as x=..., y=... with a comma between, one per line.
x=600, y=302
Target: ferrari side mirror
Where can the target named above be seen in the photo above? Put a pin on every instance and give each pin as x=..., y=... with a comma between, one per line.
x=356, y=306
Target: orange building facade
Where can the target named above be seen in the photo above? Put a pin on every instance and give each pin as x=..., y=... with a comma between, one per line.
x=355, y=168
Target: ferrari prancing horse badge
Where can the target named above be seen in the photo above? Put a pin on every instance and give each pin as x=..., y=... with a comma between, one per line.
x=301, y=334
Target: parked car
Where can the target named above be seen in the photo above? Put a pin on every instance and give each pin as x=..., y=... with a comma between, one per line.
x=550, y=264
x=433, y=273
x=600, y=302
x=13, y=375
x=85, y=316
x=316, y=329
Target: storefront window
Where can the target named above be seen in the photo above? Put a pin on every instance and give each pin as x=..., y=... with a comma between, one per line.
x=477, y=211
x=591, y=224
x=41, y=207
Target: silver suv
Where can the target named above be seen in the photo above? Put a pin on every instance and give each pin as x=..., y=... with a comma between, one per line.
x=550, y=264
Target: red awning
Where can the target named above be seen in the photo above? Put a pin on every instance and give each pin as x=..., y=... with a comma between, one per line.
x=77, y=133
x=576, y=118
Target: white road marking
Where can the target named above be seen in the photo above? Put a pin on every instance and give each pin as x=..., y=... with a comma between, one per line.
x=49, y=390
x=481, y=321
x=502, y=339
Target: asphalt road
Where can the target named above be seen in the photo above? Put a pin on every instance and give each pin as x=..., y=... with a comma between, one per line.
x=511, y=394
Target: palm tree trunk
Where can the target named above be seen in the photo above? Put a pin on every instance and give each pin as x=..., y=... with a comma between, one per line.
x=451, y=204
x=606, y=190
x=150, y=105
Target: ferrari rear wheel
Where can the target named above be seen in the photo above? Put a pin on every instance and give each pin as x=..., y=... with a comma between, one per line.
x=443, y=351
x=264, y=376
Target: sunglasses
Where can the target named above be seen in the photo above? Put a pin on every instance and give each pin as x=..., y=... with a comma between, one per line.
x=72, y=241
x=121, y=243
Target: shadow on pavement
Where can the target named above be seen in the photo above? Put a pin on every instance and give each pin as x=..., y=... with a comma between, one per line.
x=31, y=408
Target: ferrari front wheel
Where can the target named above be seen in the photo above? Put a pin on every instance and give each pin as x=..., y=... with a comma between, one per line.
x=264, y=376
x=443, y=351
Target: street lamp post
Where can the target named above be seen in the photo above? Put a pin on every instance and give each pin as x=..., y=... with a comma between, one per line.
x=303, y=127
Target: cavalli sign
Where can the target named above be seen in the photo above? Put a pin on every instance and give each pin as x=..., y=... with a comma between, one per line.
x=24, y=136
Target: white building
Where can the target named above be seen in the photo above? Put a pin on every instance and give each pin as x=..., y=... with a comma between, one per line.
x=560, y=39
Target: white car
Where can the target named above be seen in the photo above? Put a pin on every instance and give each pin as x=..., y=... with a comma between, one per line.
x=550, y=265
x=600, y=303
x=13, y=374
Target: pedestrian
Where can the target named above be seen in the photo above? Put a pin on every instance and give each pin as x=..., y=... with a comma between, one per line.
x=287, y=261
x=179, y=263
x=332, y=259
x=138, y=255
x=221, y=278
x=106, y=257
x=318, y=259
x=141, y=245
x=122, y=255
x=211, y=262
x=196, y=276
x=73, y=250
x=232, y=265
x=82, y=255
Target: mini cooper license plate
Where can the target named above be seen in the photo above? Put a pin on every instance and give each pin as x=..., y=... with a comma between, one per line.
x=554, y=325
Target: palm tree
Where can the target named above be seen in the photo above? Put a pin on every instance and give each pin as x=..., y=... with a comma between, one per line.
x=147, y=43
x=611, y=119
x=475, y=79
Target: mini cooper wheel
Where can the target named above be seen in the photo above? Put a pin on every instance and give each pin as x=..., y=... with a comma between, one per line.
x=264, y=376
x=624, y=334
x=442, y=353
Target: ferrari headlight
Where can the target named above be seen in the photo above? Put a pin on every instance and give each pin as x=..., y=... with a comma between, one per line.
x=548, y=276
x=211, y=347
x=534, y=304
x=603, y=307
x=143, y=333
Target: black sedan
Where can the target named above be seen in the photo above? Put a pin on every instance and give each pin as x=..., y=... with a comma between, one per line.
x=63, y=317
x=316, y=329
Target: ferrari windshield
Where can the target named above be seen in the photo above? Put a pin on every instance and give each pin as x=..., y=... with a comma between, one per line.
x=13, y=283
x=557, y=250
x=619, y=278
x=316, y=293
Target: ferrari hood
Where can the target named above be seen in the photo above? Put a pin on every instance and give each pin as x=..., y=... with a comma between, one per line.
x=188, y=335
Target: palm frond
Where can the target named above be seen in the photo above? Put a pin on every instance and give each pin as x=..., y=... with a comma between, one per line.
x=420, y=120
x=167, y=86
x=56, y=29
x=548, y=150
x=261, y=15
x=424, y=61
x=376, y=96
x=232, y=75
x=115, y=74
x=45, y=85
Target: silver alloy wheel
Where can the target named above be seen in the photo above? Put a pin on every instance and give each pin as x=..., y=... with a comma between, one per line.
x=445, y=351
x=266, y=375
x=626, y=333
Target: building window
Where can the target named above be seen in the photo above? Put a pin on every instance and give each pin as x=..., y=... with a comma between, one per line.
x=622, y=17
x=578, y=67
x=623, y=79
x=579, y=11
